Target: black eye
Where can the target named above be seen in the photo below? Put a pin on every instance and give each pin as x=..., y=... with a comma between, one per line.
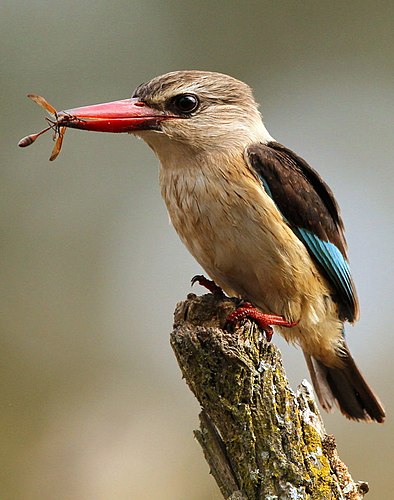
x=185, y=103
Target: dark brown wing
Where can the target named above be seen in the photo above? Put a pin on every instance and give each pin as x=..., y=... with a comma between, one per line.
x=309, y=207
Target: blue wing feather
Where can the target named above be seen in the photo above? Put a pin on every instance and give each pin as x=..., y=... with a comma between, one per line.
x=326, y=254
x=331, y=259
x=309, y=208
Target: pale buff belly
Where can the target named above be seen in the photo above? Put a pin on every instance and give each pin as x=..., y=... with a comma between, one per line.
x=248, y=250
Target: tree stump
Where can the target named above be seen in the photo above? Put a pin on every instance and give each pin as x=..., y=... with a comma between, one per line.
x=260, y=439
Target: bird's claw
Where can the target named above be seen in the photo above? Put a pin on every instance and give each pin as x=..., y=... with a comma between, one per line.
x=264, y=321
x=208, y=284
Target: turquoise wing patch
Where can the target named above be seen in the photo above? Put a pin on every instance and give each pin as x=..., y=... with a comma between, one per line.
x=331, y=260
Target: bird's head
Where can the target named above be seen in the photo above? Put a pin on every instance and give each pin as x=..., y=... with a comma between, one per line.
x=198, y=110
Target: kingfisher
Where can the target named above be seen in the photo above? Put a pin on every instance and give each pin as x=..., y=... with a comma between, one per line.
x=260, y=221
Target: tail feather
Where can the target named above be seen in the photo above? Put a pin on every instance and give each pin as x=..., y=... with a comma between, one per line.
x=346, y=387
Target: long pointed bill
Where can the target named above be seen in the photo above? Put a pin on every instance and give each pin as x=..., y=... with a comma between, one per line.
x=117, y=116
x=127, y=115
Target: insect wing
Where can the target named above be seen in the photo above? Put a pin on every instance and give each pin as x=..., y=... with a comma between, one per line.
x=58, y=144
x=43, y=103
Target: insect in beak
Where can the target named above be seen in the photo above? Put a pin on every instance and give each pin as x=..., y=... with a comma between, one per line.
x=56, y=123
x=125, y=115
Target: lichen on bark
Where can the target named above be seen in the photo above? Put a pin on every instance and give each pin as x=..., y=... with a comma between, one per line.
x=260, y=439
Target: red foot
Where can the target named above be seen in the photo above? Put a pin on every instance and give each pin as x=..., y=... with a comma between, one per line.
x=264, y=321
x=208, y=284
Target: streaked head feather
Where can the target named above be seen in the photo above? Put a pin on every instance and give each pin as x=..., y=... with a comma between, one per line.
x=227, y=118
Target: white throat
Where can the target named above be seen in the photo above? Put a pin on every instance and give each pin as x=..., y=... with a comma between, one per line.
x=231, y=142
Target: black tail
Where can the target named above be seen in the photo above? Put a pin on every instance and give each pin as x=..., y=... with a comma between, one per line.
x=346, y=387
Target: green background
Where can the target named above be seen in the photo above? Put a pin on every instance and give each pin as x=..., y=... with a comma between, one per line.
x=92, y=402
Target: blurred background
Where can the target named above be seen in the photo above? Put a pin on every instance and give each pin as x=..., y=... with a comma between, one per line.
x=92, y=401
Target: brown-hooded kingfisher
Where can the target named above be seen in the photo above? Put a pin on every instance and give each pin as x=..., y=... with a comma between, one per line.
x=261, y=222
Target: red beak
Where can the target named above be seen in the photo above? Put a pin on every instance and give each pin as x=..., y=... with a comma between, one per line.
x=117, y=116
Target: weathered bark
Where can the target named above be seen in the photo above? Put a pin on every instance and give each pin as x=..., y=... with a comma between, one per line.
x=260, y=439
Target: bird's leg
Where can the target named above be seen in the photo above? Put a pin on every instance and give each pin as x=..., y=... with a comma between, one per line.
x=264, y=321
x=208, y=284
